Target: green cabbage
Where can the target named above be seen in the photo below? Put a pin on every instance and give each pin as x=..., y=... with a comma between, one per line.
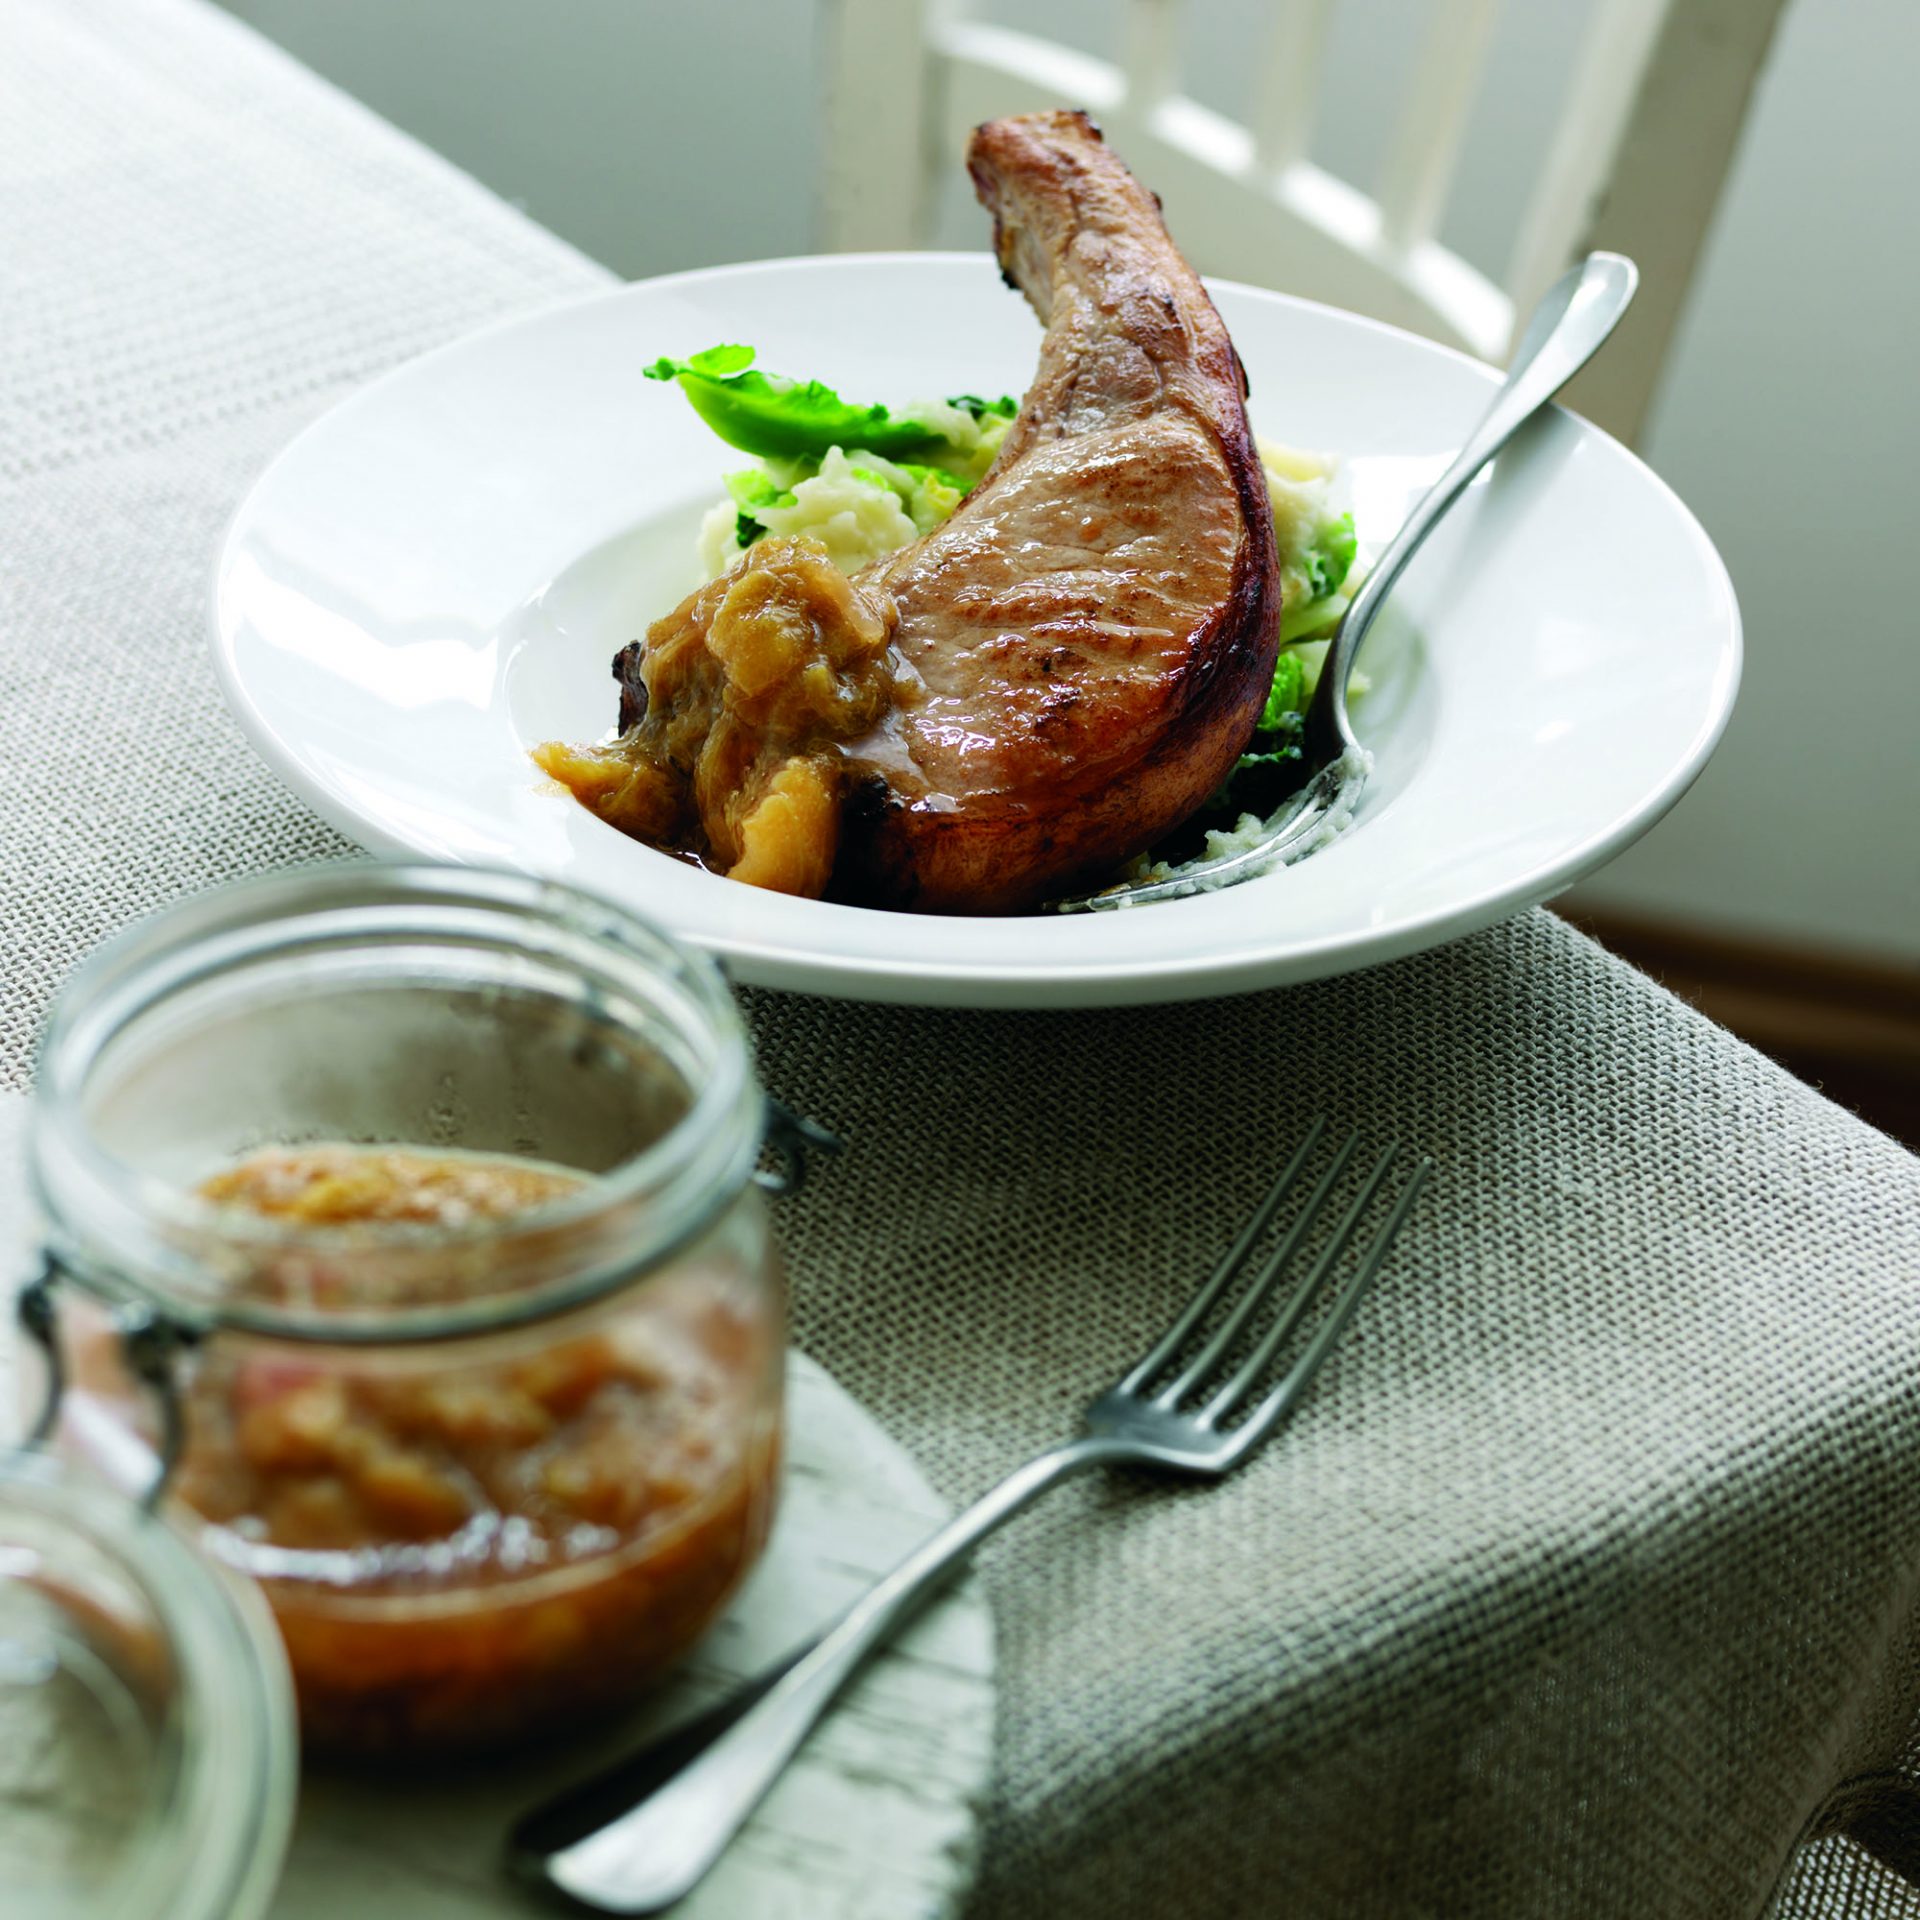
x=785, y=419
x=1311, y=601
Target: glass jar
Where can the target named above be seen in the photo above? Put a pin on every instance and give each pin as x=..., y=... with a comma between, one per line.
x=496, y=1463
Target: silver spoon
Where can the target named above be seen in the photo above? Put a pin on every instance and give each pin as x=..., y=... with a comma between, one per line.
x=1576, y=314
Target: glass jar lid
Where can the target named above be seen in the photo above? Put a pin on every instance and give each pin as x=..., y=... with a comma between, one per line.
x=147, y=1747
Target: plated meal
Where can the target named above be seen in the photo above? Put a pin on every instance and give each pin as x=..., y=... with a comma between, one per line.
x=418, y=602
x=964, y=656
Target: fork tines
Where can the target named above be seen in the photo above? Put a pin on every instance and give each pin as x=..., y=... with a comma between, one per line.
x=1185, y=1393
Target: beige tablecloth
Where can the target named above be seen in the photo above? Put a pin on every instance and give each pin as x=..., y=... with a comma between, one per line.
x=1586, y=1582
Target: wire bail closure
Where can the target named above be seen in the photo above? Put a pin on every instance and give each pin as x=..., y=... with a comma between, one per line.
x=151, y=1344
x=790, y=1137
x=39, y=1316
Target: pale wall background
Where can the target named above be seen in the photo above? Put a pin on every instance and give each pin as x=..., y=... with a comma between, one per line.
x=680, y=132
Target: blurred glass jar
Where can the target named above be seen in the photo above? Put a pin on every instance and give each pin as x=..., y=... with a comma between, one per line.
x=494, y=1468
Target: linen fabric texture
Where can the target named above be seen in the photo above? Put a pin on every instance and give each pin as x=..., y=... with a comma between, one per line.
x=1585, y=1581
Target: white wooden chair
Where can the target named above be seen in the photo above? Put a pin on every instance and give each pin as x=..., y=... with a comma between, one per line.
x=1644, y=140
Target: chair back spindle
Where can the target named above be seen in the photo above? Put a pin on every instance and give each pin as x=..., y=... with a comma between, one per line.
x=1647, y=129
x=1287, y=84
x=1433, y=121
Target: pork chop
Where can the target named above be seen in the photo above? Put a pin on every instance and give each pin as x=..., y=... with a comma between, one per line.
x=1095, y=627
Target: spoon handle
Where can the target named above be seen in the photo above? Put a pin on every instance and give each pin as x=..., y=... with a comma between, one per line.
x=1574, y=316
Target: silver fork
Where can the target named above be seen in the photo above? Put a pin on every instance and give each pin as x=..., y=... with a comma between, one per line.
x=1173, y=1410
x=1567, y=329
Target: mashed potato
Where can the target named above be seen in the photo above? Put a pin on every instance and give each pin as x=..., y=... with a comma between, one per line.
x=851, y=506
x=859, y=505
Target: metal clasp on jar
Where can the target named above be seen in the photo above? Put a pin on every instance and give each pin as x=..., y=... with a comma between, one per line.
x=789, y=1137
x=151, y=1344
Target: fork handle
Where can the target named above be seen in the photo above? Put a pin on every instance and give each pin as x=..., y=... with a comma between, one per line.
x=649, y=1857
x=1574, y=317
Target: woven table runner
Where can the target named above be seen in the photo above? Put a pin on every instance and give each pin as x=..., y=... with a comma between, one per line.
x=1585, y=1582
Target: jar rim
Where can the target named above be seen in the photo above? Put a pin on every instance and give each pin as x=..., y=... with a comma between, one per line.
x=701, y=1161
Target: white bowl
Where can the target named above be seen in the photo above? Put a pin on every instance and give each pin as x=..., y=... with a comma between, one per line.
x=435, y=576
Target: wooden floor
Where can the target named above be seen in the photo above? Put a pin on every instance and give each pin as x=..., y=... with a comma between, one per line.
x=1847, y=1026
